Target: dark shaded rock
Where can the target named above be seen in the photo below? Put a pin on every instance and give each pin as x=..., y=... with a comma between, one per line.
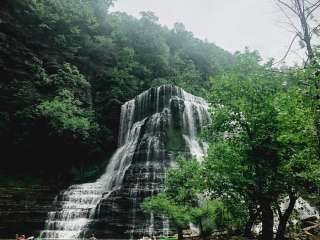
x=24, y=209
x=307, y=222
x=177, y=107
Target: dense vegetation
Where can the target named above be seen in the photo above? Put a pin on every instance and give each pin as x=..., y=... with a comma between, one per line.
x=67, y=66
x=263, y=144
x=263, y=151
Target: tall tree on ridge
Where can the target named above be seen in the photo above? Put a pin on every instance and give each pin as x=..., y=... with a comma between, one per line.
x=301, y=18
x=300, y=15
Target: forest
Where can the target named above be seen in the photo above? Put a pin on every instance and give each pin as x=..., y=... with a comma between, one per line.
x=66, y=68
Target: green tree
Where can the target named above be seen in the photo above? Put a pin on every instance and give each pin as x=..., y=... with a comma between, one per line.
x=248, y=155
x=227, y=176
x=69, y=77
x=214, y=215
x=182, y=186
x=299, y=167
x=309, y=77
x=184, y=201
x=162, y=204
x=65, y=115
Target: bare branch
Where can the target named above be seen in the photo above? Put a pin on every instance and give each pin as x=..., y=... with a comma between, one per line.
x=299, y=8
x=312, y=5
x=309, y=2
x=303, y=60
x=288, y=17
x=288, y=50
x=303, y=7
x=288, y=6
x=317, y=5
x=314, y=29
x=284, y=24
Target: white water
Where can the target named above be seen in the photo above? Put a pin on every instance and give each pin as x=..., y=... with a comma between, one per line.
x=80, y=203
x=195, y=115
x=193, y=112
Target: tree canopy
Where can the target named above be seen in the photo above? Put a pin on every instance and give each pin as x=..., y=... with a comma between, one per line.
x=262, y=149
x=69, y=65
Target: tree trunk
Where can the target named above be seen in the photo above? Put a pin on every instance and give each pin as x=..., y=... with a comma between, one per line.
x=202, y=235
x=180, y=234
x=307, y=37
x=252, y=218
x=283, y=219
x=267, y=220
x=305, y=28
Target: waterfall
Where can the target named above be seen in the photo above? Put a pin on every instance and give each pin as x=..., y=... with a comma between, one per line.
x=155, y=126
x=79, y=201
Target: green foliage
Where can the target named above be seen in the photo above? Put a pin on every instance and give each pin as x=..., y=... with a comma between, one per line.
x=244, y=120
x=183, y=184
x=65, y=115
x=64, y=109
x=310, y=88
x=297, y=138
x=213, y=215
x=228, y=177
x=262, y=138
x=162, y=204
x=225, y=169
x=168, y=56
x=69, y=77
x=180, y=194
x=184, y=201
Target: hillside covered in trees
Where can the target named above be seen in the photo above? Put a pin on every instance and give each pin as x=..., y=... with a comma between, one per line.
x=66, y=68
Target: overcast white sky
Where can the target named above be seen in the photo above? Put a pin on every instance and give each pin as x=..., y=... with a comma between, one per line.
x=231, y=24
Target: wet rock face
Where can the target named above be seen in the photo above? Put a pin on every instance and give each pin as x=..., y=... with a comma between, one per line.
x=143, y=178
x=155, y=127
x=177, y=107
x=24, y=208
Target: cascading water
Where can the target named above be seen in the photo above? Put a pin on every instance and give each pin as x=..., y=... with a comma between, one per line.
x=155, y=127
x=79, y=202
